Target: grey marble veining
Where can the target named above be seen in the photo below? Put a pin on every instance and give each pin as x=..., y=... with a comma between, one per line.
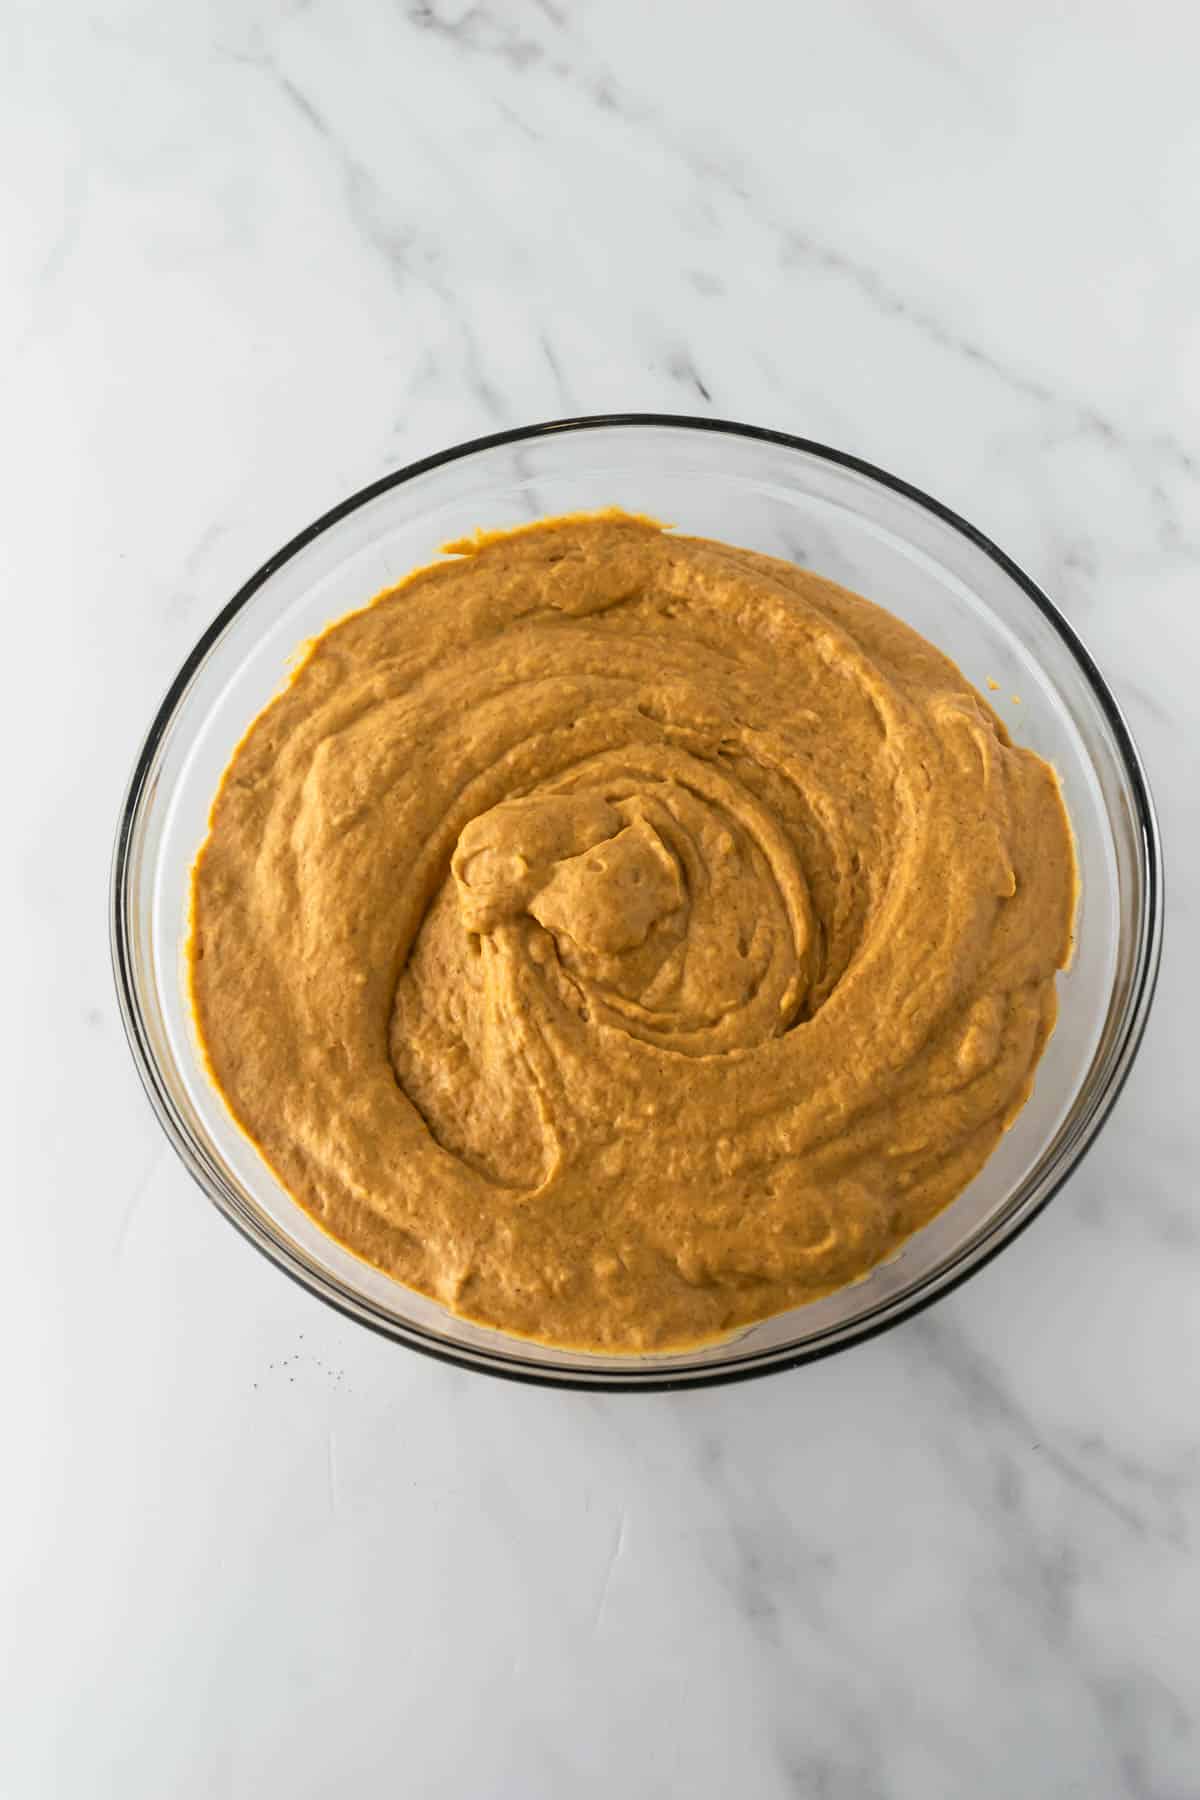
x=258, y=254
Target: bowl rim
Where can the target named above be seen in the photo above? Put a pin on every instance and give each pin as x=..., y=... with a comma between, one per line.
x=638, y=1377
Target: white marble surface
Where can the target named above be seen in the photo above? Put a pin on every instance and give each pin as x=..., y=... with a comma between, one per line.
x=256, y=254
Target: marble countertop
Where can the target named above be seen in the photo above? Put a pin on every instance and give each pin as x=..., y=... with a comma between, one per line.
x=258, y=254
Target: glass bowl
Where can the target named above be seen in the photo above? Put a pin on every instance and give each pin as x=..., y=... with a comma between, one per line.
x=751, y=487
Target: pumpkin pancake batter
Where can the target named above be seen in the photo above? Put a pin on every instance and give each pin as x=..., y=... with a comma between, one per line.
x=622, y=937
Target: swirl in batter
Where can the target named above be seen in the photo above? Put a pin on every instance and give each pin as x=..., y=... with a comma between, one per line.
x=622, y=937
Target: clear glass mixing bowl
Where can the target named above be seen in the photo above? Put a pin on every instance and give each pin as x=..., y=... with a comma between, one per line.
x=827, y=511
